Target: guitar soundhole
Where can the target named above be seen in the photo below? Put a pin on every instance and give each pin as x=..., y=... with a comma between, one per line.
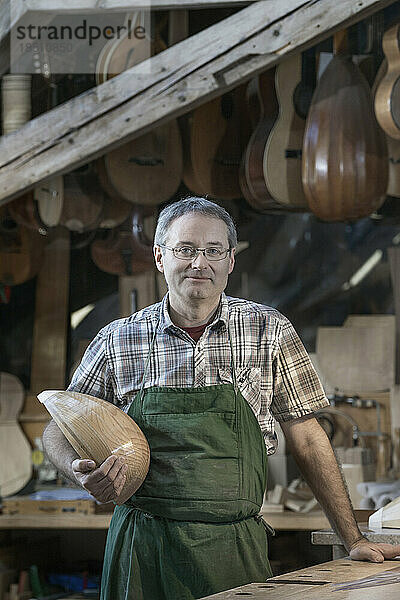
x=146, y=161
x=227, y=106
x=395, y=104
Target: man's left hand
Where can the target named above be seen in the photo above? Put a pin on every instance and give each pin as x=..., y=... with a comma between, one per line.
x=365, y=550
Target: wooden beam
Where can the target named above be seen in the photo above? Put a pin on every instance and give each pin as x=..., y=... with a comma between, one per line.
x=182, y=77
x=94, y=6
x=11, y=12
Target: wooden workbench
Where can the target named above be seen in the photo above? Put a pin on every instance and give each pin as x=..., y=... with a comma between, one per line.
x=285, y=521
x=317, y=583
x=385, y=535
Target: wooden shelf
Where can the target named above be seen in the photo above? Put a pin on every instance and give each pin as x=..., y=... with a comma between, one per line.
x=285, y=521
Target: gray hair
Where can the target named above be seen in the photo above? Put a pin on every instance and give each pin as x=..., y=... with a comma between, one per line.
x=193, y=204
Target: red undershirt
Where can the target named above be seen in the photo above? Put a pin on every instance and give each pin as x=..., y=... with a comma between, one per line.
x=196, y=332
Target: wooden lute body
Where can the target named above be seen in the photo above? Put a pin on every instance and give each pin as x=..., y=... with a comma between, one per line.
x=97, y=429
x=345, y=170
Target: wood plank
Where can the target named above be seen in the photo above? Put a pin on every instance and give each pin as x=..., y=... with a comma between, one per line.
x=182, y=77
x=49, y=344
x=310, y=583
x=347, y=366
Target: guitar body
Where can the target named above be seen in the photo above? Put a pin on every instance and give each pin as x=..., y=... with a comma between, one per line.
x=83, y=201
x=282, y=156
x=252, y=181
x=21, y=250
x=15, y=451
x=387, y=97
x=148, y=169
x=219, y=133
x=393, y=145
x=125, y=250
x=345, y=169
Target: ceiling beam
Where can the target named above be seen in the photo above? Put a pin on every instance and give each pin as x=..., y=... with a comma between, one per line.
x=182, y=77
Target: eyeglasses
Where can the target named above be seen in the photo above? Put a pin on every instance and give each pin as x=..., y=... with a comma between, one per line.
x=190, y=253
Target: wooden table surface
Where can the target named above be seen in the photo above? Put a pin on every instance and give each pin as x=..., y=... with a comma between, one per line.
x=285, y=521
x=317, y=583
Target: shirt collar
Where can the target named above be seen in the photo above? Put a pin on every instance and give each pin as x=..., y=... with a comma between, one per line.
x=221, y=316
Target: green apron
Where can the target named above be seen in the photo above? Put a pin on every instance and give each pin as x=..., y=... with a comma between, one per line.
x=192, y=529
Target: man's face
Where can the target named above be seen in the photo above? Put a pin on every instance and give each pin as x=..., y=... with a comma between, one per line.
x=197, y=279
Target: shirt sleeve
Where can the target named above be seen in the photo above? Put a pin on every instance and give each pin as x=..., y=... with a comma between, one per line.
x=93, y=375
x=297, y=388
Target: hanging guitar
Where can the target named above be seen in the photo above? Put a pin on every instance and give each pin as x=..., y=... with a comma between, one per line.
x=15, y=451
x=219, y=132
x=148, y=169
x=125, y=249
x=21, y=250
x=294, y=84
x=262, y=102
x=344, y=170
x=387, y=96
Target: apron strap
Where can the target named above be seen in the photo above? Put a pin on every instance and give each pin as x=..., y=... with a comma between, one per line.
x=147, y=363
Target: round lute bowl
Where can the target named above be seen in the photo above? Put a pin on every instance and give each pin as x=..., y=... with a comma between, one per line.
x=97, y=429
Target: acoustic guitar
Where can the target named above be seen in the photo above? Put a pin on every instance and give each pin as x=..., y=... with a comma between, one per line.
x=125, y=250
x=219, y=132
x=387, y=96
x=263, y=105
x=21, y=250
x=344, y=170
x=15, y=451
x=393, y=145
x=148, y=169
x=294, y=85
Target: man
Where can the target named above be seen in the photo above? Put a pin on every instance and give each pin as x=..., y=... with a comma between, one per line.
x=203, y=376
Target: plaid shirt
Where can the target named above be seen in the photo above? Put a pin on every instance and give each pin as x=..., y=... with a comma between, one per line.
x=273, y=370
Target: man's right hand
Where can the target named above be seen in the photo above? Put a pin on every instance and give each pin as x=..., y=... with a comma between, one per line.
x=105, y=482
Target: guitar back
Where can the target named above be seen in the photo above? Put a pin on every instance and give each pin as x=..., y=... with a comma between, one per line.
x=15, y=451
x=282, y=157
x=125, y=250
x=344, y=169
x=148, y=169
x=219, y=134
